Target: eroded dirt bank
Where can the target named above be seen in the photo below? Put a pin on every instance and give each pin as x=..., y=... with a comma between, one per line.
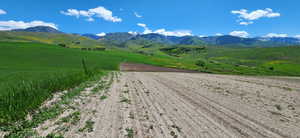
x=157, y=105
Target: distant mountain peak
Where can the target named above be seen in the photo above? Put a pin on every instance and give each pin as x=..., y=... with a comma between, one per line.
x=45, y=29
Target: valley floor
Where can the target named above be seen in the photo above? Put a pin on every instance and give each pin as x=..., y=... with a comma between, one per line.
x=157, y=105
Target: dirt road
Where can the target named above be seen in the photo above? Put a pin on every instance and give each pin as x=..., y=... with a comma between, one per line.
x=191, y=105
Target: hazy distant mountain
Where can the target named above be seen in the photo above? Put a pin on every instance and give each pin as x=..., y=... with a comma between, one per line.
x=120, y=38
x=45, y=29
x=225, y=40
x=280, y=40
x=229, y=40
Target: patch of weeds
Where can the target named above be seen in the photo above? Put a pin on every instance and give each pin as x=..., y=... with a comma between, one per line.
x=88, y=126
x=52, y=135
x=126, y=91
x=63, y=128
x=25, y=133
x=72, y=118
x=99, y=87
x=287, y=88
x=103, y=97
x=130, y=132
x=125, y=100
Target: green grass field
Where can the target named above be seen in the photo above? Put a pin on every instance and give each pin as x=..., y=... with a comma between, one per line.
x=70, y=40
x=246, y=61
x=31, y=72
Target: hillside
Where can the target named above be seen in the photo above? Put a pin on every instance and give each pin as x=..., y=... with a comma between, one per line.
x=256, y=61
x=69, y=40
x=44, y=29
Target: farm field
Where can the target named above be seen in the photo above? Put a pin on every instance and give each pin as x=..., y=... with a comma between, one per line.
x=148, y=104
x=30, y=69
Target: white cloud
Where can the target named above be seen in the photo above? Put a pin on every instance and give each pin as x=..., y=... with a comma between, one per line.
x=142, y=25
x=297, y=36
x=219, y=34
x=254, y=15
x=137, y=15
x=9, y=25
x=2, y=12
x=99, y=12
x=246, y=23
x=276, y=35
x=146, y=29
x=243, y=34
x=133, y=33
x=101, y=34
x=178, y=33
x=202, y=36
x=162, y=31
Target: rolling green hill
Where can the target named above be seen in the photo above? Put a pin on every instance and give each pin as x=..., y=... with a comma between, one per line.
x=70, y=40
x=248, y=61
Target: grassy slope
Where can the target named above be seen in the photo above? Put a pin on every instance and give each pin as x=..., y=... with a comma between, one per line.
x=30, y=69
x=229, y=60
x=49, y=38
x=252, y=61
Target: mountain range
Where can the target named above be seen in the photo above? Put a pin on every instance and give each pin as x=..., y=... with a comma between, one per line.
x=45, y=29
x=121, y=38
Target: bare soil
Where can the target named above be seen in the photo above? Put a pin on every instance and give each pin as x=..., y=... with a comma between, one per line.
x=189, y=105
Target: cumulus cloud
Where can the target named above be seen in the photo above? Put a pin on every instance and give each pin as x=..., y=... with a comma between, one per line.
x=90, y=14
x=219, y=34
x=247, y=18
x=101, y=34
x=162, y=31
x=9, y=25
x=243, y=34
x=137, y=15
x=276, y=35
x=2, y=12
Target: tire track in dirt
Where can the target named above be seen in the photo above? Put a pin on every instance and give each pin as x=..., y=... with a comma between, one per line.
x=185, y=115
x=255, y=128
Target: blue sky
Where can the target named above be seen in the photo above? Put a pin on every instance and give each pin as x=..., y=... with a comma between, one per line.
x=246, y=18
